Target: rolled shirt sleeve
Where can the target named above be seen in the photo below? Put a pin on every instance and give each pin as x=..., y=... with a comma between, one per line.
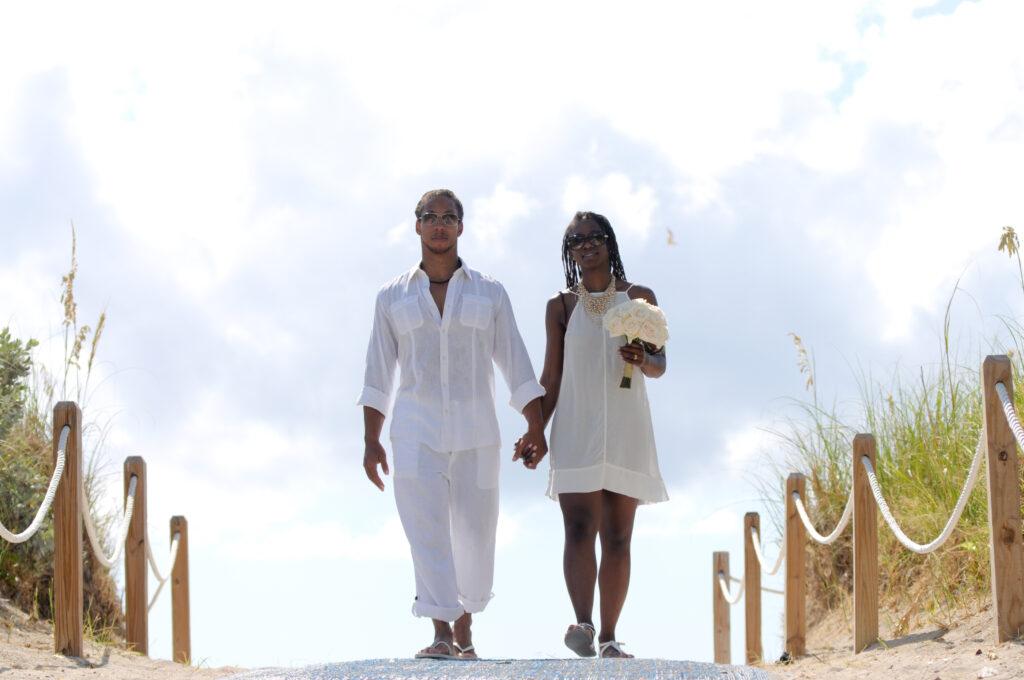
x=511, y=356
x=381, y=361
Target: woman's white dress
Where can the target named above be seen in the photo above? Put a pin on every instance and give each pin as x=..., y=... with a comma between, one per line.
x=601, y=437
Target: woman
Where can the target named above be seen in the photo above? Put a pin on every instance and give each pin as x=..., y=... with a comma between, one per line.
x=603, y=458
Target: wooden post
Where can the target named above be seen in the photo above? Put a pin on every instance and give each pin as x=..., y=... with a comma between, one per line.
x=136, y=582
x=865, y=547
x=723, y=652
x=796, y=585
x=180, y=625
x=752, y=595
x=1003, y=503
x=67, y=535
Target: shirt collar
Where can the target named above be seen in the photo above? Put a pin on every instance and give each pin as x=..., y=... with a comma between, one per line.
x=462, y=271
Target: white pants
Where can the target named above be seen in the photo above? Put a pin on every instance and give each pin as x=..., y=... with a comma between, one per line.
x=448, y=504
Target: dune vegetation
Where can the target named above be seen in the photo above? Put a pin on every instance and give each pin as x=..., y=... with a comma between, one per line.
x=926, y=422
x=28, y=393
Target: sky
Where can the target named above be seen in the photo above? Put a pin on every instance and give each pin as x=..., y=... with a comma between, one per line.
x=242, y=179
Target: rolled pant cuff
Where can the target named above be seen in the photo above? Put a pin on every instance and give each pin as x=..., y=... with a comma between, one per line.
x=474, y=606
x=432, y=611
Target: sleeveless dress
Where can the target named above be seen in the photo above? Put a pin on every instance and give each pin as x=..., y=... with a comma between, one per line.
x=601, y=436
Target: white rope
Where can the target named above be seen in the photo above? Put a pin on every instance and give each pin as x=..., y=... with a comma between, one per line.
x=156, y=571
x=1011, y=413
x=767, y=590
x=731, y=599
x=122, y=534
x=51, y=491
x=806, y=519
x=755, y=538
x=961, y=503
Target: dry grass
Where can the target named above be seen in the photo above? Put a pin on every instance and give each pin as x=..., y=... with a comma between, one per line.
x=926, y=424
x=26, y=570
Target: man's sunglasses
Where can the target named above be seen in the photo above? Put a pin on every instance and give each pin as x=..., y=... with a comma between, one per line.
x=447, y=219
x=577, y=241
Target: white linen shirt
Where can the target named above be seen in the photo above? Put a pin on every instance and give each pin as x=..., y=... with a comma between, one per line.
x=446, y=388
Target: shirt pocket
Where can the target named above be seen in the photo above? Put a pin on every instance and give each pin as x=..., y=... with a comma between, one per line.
x=477, y=311
x=406, y=315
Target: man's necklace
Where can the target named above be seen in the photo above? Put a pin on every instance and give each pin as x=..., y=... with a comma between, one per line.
x=596, y=304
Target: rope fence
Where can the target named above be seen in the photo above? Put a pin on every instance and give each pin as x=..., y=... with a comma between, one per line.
x=67, y=496
x=51, y=491
x=1000, y=436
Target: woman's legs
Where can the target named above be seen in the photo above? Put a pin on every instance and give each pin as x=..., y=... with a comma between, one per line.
x=616, y=529
x=581, y=514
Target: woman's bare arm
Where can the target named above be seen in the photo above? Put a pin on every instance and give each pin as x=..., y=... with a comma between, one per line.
x=551, y=376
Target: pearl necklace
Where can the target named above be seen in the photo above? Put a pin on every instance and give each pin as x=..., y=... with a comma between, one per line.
x=596, y=304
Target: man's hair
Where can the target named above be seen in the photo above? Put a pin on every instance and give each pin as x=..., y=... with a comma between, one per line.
x=572, y=270
x=438, y=193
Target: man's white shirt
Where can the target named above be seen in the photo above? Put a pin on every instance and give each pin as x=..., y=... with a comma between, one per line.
x=445, y=396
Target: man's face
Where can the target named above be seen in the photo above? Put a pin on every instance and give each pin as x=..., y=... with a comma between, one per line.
x=439, y=226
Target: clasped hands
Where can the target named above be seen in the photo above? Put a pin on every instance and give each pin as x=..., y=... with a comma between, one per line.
x=531, y=449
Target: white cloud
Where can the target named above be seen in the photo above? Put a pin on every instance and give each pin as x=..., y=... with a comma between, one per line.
x=745, y=446
x=492, y=219
x=629, y=209
x=399, y=233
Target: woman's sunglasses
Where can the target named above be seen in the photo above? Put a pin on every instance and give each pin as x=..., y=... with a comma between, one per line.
x=577, y=241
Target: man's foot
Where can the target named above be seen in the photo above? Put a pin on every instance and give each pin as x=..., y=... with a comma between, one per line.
x=463, y=634
x=580, y=639
x=613, y=650
x=439, y=649
x=466, y=653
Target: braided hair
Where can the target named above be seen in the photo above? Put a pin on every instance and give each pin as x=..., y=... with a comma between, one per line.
x=572, y=270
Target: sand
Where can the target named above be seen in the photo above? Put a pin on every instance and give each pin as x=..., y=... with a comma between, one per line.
x=929, y=652
x=26, y=653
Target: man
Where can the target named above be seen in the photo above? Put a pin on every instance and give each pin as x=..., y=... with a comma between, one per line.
x=444, y=324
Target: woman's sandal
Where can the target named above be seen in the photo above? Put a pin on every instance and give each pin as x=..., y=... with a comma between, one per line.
x=580, y=639
x=466, y=653
x=617, y=646
x=451, y=655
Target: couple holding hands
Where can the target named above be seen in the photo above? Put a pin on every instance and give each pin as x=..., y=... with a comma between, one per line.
x=445, y=325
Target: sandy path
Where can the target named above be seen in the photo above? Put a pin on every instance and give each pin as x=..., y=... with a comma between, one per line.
x=968, y=650
x=26, y=653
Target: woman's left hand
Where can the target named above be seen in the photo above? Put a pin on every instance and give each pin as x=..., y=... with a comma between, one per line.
x=634, y=353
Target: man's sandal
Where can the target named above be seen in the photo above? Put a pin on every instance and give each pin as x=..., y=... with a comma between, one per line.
x=466, y=653
x=580, y=639
x=617, y=646
x=427, y=654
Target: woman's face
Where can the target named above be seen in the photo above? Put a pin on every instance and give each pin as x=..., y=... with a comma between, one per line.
x=588, y=246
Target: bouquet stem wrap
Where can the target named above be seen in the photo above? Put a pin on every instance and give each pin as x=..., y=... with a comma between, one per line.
x=627, y=377
x=637, y=320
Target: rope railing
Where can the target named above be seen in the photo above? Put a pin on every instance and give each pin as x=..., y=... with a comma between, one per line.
x=161, y=579
x=122, y=533
x=947, y=530
x=1001, y=435
x=731, y=598
x=841, y=525
x=764, y=589
x=755, y=540
x=51, y=492
x=66, y=494
x=1011, y=413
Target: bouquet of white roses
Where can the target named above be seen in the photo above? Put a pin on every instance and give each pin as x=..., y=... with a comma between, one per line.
x=637, y=320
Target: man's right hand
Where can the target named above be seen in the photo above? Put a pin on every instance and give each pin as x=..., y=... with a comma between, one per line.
x=373, y=457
